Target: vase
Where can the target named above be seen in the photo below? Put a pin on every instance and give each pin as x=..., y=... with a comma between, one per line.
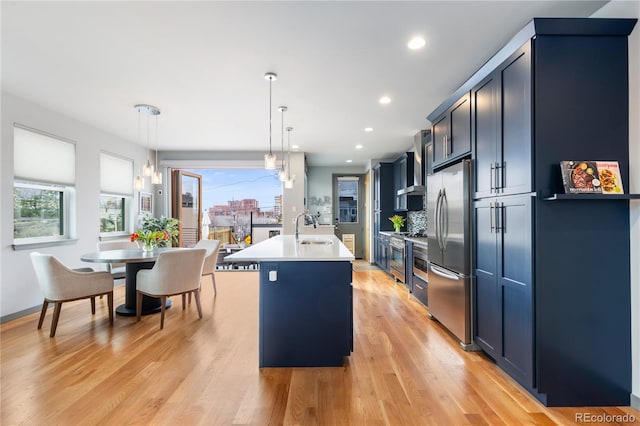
x=148, y=247
x=397, y=228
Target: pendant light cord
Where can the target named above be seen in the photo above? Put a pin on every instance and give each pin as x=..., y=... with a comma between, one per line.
x=270, y=82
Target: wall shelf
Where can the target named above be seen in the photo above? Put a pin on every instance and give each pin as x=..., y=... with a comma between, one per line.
x=560, y=197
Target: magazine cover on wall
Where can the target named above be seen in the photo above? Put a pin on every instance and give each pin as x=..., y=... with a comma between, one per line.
x=146, y=203
x=591, y=177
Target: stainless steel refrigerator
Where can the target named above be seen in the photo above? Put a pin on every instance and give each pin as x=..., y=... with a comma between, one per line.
x=449, y=237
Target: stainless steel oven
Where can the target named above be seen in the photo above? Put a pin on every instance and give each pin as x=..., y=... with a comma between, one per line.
x=420, y=269
x=396, y=257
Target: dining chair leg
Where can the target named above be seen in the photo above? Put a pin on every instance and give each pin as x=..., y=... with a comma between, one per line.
x=110, y=305
x=164, y=302
x=138, y=304
x=196, y=295
x=183, y=301
x=56, y=316
x=93, y=306
x=43, y=312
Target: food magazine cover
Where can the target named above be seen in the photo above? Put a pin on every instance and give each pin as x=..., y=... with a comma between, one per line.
x=580, y=177
x=610, y=178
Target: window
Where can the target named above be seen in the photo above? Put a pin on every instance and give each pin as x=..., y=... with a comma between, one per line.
x=43, y=191
x=348, y=199
x=116, y=193
x=38, y=211
x=112, y=214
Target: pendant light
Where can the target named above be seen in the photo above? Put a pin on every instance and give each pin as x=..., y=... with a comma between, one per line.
x=156, y=179
x=138, y=182
x=270, y=158
x=148, y=168
x=282, y=174
x=288, y=183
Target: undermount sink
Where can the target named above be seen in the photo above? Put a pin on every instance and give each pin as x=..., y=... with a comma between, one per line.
x=320, y=242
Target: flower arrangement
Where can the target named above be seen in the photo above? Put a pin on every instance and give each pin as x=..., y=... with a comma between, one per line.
x=150, y=239
x=167, y=224
x=398, y=222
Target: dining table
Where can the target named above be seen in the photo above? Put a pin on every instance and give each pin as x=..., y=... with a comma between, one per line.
x=134, y=260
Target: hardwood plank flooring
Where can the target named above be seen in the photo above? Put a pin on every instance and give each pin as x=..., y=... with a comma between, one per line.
x=405, y=369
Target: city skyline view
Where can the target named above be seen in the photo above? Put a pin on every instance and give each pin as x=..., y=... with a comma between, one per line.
x=219, y=186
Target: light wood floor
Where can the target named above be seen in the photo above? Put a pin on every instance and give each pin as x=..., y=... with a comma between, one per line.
x=405, y=370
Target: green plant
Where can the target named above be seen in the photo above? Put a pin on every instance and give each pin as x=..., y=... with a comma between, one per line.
x=166, y=224
x=398, y=221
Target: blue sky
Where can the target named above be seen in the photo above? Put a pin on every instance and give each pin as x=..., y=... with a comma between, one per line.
x=221, y=185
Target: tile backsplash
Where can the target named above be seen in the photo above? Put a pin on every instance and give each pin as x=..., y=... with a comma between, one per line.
x=417, y=222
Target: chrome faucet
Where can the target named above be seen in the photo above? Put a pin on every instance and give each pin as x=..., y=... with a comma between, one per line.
x=306, y=214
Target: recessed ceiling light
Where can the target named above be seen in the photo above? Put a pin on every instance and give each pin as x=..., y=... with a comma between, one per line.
x=295, y=147
x=384, y=100
x=349, y=161
x=416, y=43
x=358, y=146
x=368, y=129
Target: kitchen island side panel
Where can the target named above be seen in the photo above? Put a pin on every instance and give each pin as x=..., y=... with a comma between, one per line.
x=306, y=314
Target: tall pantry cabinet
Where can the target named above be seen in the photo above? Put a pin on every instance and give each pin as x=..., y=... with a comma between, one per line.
x=552, y=272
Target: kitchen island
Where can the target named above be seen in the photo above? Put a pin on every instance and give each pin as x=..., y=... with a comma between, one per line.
x=306, y=308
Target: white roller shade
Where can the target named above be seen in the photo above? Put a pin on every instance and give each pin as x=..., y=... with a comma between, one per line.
x=42, y=158
x=116, y=175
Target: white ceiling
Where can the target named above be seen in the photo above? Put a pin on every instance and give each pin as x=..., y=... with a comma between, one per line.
x=202, y=63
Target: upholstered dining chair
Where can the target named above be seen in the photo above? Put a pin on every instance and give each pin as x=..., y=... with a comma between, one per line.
x=210, y=260
x=117, y=270
x=176, y=272
x=60, y=284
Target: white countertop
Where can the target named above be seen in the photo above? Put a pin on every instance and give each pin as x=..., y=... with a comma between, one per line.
x=285, y=248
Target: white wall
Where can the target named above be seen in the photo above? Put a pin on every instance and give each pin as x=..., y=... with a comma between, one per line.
x=18, y=286
x=631, y=9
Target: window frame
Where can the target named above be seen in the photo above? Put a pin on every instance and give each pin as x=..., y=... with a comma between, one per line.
x=65, y=212
x=126, y=216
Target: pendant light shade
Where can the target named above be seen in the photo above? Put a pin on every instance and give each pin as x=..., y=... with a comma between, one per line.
x=156, y=179
x=147, y=170
x=288, y=183
x=282, y=174
x=138, y=183
x=270, y=158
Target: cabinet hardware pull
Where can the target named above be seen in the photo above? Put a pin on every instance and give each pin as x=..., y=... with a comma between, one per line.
x=420, y=287
x=499, y=217
x=492, y=177
x=444, y=146
x=491, y=218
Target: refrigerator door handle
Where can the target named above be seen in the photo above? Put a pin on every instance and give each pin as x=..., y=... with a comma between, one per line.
x=437, y=218
x=443, y=273
x=445, y=220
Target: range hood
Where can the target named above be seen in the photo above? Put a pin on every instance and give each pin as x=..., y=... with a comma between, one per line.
x=418, y=188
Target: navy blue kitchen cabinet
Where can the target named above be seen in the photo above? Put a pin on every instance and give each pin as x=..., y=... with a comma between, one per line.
x=383, y=209
x=452, y=133
x=306, y=314
x=503, y=291
x=552, y=283
x=502, y=128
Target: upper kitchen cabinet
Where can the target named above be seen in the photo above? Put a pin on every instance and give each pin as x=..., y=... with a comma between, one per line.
x=452, y=132
x=501, y=126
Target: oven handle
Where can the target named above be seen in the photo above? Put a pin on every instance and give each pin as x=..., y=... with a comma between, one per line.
x=443, y=273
